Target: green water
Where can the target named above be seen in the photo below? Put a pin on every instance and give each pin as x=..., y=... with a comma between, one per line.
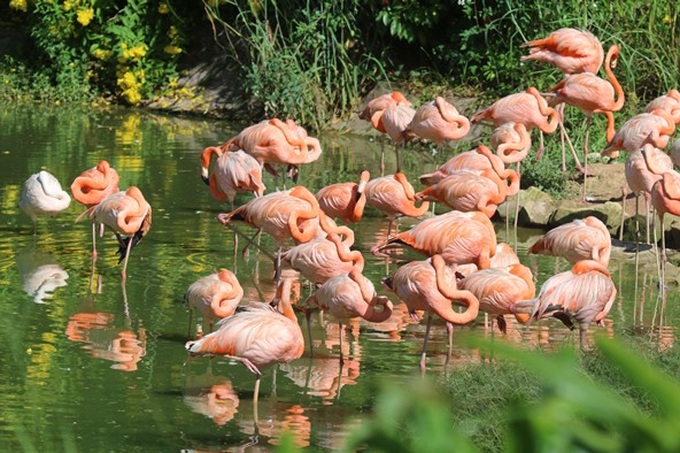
x=91, y=365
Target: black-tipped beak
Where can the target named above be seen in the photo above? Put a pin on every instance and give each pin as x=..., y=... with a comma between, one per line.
x=387, y=281
x=205, y=180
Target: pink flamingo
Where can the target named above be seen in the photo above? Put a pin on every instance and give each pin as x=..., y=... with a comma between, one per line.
x=350, y=295
x=669, y=102
x=643, y=168
x=233, y=172
x=126, y=213
x=459, y=237
x=323, y=258
x=438, y=121
x=498, y=289
x=258, y=337
x=585, y=293
x=344, y=200
x=430, y=285
x=654, y=128
x=216, y=296
x=91, y=187
x=276, y=142
x=571, y=50
x=394, y=196
x=466, y=190
x=580, y=239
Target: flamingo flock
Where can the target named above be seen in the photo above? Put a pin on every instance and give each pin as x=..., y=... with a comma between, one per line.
x=445, y=260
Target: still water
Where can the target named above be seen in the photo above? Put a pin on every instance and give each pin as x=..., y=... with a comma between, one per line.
x=92, y=365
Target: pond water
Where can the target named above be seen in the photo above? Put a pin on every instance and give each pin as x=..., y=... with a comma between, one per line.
x=93, y=365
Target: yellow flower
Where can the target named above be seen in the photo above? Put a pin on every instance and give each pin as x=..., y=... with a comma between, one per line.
x=667, y=19
x=172, y=32
x=133, y=53
x=172, y=50
x=102, y=54
x=163, y=8
x=18, y=4
x=132, y=96
x=68, y=5
x=85, y=16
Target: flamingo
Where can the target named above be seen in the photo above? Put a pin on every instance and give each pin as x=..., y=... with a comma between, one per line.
x=480, y=159
x=571, y=50
x=395, y=196
x=376, y=107
x=655, y=128
x=276, y=142
x=430, y=285
x=459, y=237
x=592, y=94
x=580, y=239
x=323, y=258
x=42, y=195
x=395, y=120
x=233, y=172
x=126, y=213
x=292, y=213
x=643, y=168
x=466, y=190
x=584, y=294
x=527, y=107
x=498, y=289
x=438, y=121
x=91, y=187
x=511, y=141
x=257, y=337
x=350, y=295
x=344, y=200
x=666, y=200
x=674, y=153
x=216, y=296
x=669, y=102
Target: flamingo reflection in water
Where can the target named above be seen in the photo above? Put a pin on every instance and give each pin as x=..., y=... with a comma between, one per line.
x=41, y=275
x=211, y=396
x=123, y=346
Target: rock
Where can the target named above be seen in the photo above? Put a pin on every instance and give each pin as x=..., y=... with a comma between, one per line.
x=536, y=208
x=609, y=212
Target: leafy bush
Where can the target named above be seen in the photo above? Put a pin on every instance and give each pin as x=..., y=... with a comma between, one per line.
x=523, y=401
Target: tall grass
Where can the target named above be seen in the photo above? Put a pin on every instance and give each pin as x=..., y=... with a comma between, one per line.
x=303, y=62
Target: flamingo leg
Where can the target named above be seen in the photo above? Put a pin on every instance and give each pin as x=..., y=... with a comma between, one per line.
x=517, y=200
x=127, y=255
x=624, y=194
x=449, y=351
x=647, y=200
x=256, y=394
x=94, y=242
x=579, y=167
x=585, y=155
x=308, y=318
x=396, y=152
x=340, y=335
x=423, y=355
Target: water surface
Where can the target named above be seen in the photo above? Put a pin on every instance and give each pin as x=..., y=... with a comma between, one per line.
x=90, y=364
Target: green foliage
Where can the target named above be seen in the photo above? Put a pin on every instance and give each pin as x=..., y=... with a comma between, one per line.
x=546, y=174
x=303, y=63
x=409, y=420
x=533, y=402
x=127, y=50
